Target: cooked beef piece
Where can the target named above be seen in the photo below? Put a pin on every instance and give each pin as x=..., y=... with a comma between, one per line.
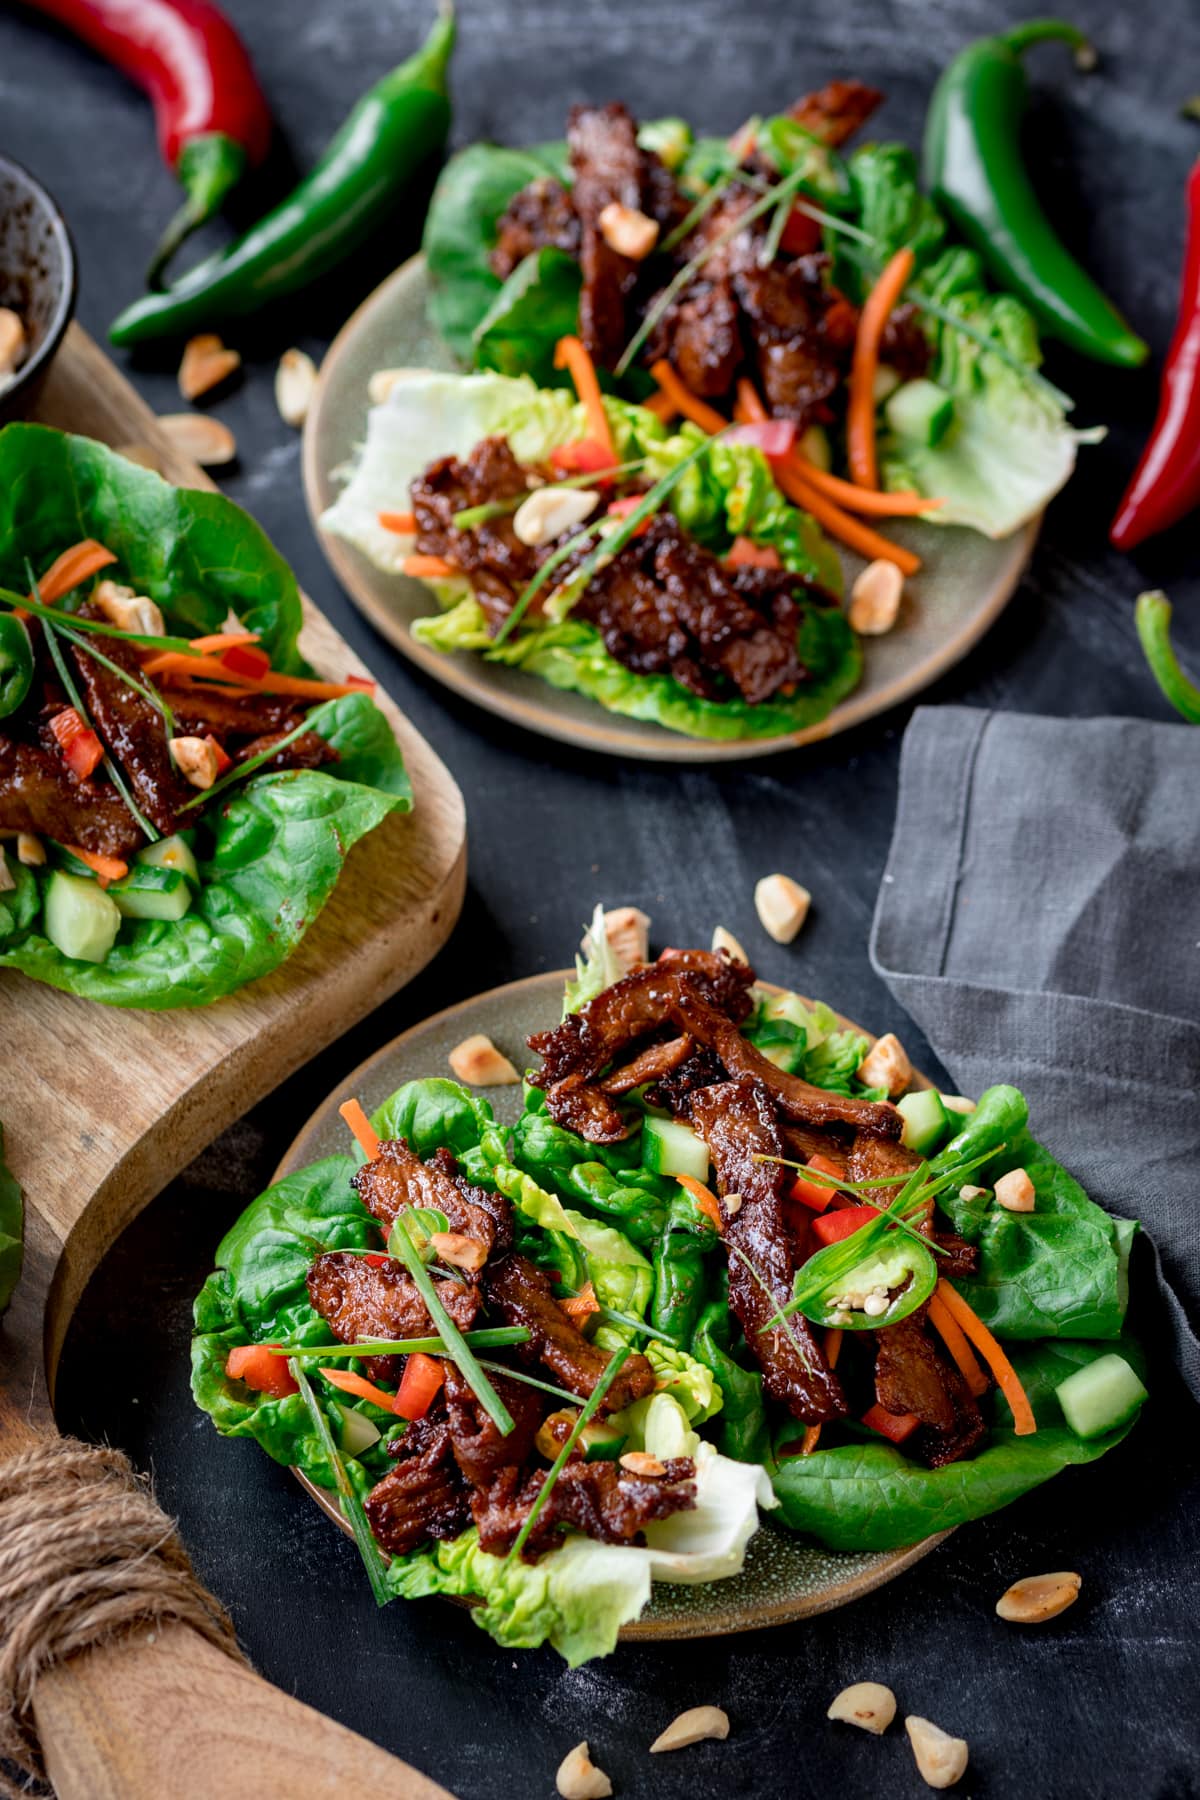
x=520, y=1294
x=479, y=1449
x=496, y=1204
x=737, y=1121
x=676, y=1088
x=311, y=751
x=423, y=1496
x=395, y=1178
x=582, y=1106
x=785, y=307
x=872, y=1158
x=701, y=336
x=133, y=730
x=904, y=346
x=498, y=564
x=361, y=1299
x=38, y=793
x=835, y=112
x=726, y=981
x=804, y=1142
x=961, y=1260
x=912, y=1376
x=235, y=717
x=650, y=1064
x=540, y=217
x=600, y=1499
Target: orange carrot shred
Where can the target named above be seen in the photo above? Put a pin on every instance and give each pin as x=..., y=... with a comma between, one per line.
x=217, y=641
x=428, y=568
x=860, y=411
x=580, y=1306
x=698, y=411
x=751, y=411
x=833, y=1349
x=571, y=354
x=72, y=567
x=107, y=868
x=705, y=1199
x=404, y=523
x=974, y=1328
x=662, y=406
x=361, y=1126
x=951, y=1334
x=350, y=1383
x=839, y=524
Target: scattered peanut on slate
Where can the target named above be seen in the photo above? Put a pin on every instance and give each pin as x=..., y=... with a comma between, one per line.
x=867, y=1704
x=941, y=1759
x=478, y=1062
x=875, y=599
x=886, y=1065
x=12, y=340
x=691, y=1727
x=206, y=363
x=200, y=438
x=725, y=940
x=782, y=906
x=295, y=380
x=1036, y=1598
x=627, y=929
x=578, y=1777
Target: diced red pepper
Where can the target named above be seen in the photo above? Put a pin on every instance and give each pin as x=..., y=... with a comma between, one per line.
x=376, y=1261
x=621, y=509
x=247, y=660
x=224, y=760
x=816, y=1194
x=801, y=235
x=774, y=437
x=895, y=1427
x=361, y=681
x=422, y=1378
x=584, y=457
x=832, y=1227
x=745, y=554
x=258, y=1367
x=81, y=748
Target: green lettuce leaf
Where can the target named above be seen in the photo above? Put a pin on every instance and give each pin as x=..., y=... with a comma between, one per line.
x=12, y=1230
x=538, y=304
x=804, y=1038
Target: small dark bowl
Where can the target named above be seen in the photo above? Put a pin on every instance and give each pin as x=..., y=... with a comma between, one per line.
x=37, y=279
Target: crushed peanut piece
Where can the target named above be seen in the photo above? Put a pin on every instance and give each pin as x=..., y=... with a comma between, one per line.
x=692, y=1727
x=550, y=511
x=941, y=1759
x=578, y=1777
x=8, y=880
x=30, y=850
x=875, y=599
x=640, y=1462
x=295, y=383
x=1036, y=1598
x=782, y=906
x=886, y=1065
x=131, y=611
x=196, y=759
x=732, y=1203
x=866, y=1703
x=458, y=1248
x=1015, y=1192
x=628, y=231
x=206, y=364
x=725, y=940
x=200, y=438
x=958, y=1103
x=478, y=1062
x=12, y=340
x=627, y=929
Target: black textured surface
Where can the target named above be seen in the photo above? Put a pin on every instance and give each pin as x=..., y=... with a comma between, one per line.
x=1100, y=1704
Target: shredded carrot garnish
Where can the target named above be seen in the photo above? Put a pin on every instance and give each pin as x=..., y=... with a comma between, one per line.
x=306, y=687
x=749, y=409
x=833, y=1349
x=951, y=1334
x=107, y=868
x=216, y=641
x=570, y=354
x=428, y=568
x=350, y=1383
x=580, y=1306
x=72, y=567
x=404, y=523
x=682, y=398
x=1006, y=1376
x=839, y=524
x=173, y=665
x=662, y=406
x=361, y=1126
x=705, y=1199
x=860, y=411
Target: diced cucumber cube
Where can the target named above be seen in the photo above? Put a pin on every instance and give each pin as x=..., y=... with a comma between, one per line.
x=79, y=917
x=1101, y=1396
x=920, y=411
x=171, y=853
x=670, y=1148
x=152, y=893
x=358, y=1432
x=927, y=1124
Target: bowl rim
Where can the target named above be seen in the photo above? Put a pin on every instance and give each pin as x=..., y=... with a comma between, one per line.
x=68, y=287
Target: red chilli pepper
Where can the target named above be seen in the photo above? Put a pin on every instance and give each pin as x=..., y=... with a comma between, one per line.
x=81, y=748
x=212, y=118
x=895, y=1427
x=248, y=660
x=832, y=1227
x=1166, y=482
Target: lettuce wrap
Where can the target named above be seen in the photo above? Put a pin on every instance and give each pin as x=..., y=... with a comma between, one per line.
x=1051, y=1284
x=270, y=850
x=729, y=493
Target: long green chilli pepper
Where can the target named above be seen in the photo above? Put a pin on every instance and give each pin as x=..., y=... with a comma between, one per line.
x=389, y=139
x=974, y=170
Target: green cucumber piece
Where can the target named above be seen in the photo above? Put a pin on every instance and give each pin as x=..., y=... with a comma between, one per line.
x=150, y=893
x=357, y=1432
x=79, y=917
x=670, y=1148
x=920, y=411
x=171, y=853
x=927, y=1124
x=1101, y=1396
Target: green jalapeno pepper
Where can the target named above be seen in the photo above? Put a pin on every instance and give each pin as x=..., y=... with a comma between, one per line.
x=1154, y=629
x=392, y=134
x=16, y=664
x=974, y=170
x=900, y=1271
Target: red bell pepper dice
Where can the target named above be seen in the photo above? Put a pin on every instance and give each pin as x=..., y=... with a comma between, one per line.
x=421, y=1380
x=832, y=1227
x=816, y=1194
x=895, y=1427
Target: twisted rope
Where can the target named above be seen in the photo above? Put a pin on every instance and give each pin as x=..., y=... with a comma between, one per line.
x=86, y=1553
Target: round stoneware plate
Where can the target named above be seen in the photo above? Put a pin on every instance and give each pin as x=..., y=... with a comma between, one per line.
x=785, y=1577
x=960, y=592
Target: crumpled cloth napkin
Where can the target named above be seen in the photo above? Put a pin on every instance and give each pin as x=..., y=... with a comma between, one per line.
x=1040, y=919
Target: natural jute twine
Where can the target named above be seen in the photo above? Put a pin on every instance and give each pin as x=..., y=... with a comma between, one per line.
x=85, y=1554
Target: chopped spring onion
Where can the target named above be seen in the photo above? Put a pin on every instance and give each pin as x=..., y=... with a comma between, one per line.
x=590, y=1408
x=493, y=1337
x=368, y=1549
x=545, y=1387
x=496, y=509
x=534, y=587
x=697, y=213
x=101, y=628
x=240, y=770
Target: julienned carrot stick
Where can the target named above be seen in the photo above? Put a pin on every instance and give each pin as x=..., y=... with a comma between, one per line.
x=662, y=406
x=570, y=354
x=749, y=409
x=361, y=1126
x=705, y=1199
x=1024, y=1422
x=860, y=411
x=951, y=1334
x=833, y=1349
x=682, y=398
x=871, y=501
x=170, y=664
x=360, y=1386
x=108, y=868
x=428, y=568
x=404, y=523
x=839, y=524
x=73, y=566
x=216, y=641
x=582, y=1305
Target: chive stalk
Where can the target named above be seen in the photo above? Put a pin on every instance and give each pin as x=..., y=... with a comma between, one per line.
x=490, y=1338
x=347, y=1492
x=39, y=610
x=590, y=1408
x=73, y=695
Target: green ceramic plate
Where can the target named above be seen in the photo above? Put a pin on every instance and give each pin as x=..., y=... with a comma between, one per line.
x=785, y=1577
x=962, y=589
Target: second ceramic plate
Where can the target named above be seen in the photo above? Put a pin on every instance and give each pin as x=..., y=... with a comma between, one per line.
x=962, y=589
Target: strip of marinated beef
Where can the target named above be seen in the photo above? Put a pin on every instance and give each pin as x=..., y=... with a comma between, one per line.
x=497, y=563
x=725, y=979
x=872, y=1159
x=651, y=1064
x=701, y=331
x=479, y=1449
x=737, y=1121
x=231, y=717
x=805, y=1141
x=912, y=1376
x=39, y=794
x=540, y=217
x=133, y=730
x=601, y=1499
x=496, y=1205
x=519, y=1293
x=310, y=751
x=362, y=1298
x=395, y=1178
x=423, y=1496
x=799, y=364
x=836, y=111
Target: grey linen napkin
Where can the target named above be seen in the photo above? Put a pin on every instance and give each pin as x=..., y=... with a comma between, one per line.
x=1040, y=919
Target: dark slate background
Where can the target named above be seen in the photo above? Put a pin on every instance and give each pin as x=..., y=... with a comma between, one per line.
x=1102, y=1703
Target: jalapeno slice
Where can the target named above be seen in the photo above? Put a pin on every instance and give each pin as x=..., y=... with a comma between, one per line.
x=890, y=1282
x=16, y=664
